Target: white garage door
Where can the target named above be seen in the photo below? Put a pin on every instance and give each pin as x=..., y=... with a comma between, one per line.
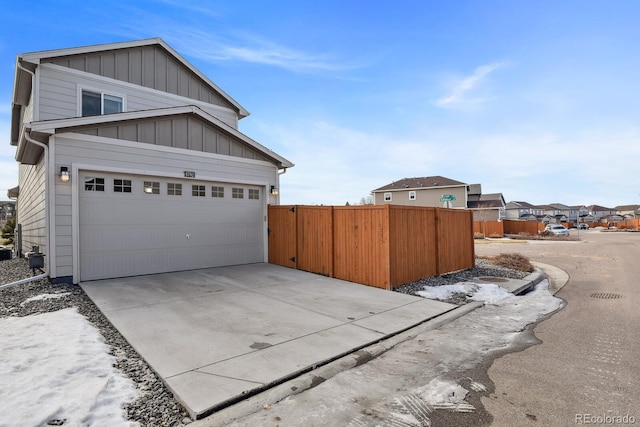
x=131, y=225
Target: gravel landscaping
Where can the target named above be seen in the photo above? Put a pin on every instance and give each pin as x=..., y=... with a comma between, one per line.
x=156, y=405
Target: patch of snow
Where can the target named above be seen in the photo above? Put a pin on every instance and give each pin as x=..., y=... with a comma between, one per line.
x=490, y=293
x=45, y=297
x=448, y=395
x=56, y=366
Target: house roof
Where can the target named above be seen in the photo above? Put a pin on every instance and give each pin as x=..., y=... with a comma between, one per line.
x=36, y=57
x=595, y=208
x=49, y=127
x=522, y=205
x=627, y=207
x=559, y=206
x=491, y=200
x=26, y=63
x=420, y=183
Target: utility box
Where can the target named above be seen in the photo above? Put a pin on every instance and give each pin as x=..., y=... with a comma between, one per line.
x=36, y=259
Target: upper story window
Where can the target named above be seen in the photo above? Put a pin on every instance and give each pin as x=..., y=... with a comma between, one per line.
x=412, y=195
x=387, y=197
x=96, y=103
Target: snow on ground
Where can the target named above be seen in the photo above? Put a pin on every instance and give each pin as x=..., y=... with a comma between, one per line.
x=42, y=297
x=490, y=293
x=56, y=366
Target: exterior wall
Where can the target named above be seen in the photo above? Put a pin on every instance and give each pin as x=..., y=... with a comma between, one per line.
x=138, y=158
x=59, y=90
x=424, y=197
x=148, y=66
x=31, y=207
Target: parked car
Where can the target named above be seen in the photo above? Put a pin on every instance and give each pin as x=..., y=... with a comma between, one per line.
x=556, y=229
x=582, y=226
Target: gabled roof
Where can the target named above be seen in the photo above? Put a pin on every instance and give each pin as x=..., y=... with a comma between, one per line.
x=42, y=129
x=627, y=207
x=420, y=183
x=559, y=206
x=36, y=58
x=598, y=208
x=26, y=64
x=521, y=205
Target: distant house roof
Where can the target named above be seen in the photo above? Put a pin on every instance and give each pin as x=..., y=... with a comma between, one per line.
x=420, y=183
x=492, y=200
x=522, y=205
x=627, y=207
x=596, y=208
x=559, y=206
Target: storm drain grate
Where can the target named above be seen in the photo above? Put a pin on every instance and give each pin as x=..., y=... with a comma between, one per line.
x=605, y=295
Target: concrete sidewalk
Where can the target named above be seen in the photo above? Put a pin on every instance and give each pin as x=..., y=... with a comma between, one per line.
x=217, y=336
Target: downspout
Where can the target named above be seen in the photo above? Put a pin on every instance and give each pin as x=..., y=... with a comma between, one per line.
x=280, y=172
x=46, y=214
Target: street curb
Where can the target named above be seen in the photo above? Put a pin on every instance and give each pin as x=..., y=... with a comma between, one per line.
x=557, y=277
x=319, y=375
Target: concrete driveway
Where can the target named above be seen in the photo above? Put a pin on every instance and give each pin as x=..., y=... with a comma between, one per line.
x=217, y=335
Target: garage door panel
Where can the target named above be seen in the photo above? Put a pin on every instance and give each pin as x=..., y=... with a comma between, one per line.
x=125, y=234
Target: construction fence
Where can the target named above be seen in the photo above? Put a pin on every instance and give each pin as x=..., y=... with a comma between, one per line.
x=383, y=246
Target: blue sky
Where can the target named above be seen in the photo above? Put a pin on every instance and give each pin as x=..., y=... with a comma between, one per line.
x=539, y=100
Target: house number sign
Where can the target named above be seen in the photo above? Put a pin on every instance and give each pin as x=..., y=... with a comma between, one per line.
x=189, y=174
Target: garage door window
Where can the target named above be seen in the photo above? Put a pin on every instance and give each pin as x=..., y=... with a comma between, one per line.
x=254, y=194
x=93, y=184
x=217, y=191
x=151, y=187
x=198, y=190
x=174, y=189
x=237, y=193
x=122, y=186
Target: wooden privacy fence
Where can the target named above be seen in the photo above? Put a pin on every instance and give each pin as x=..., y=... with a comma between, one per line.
x=383, y=246
x=516, y=226
x=489, y=228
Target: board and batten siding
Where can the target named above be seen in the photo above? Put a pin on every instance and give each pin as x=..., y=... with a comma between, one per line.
x=183, y=131
x=58, y=95
x=132, y=157
x=424, y=197
x=148, y=66
x=31, y=206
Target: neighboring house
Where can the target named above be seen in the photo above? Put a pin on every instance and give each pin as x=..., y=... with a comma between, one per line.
x=601, y=213
x=424, y=191
x=7, y=210
x=579, y=213
x=628, y=211
x=556, y=212
x=131, y=162
x=524, y=211
x=438, y=191
x=487, y=207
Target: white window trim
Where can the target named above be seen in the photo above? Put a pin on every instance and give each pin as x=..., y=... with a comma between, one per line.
x=384, y=197
x=412, y=195
x=102, y=93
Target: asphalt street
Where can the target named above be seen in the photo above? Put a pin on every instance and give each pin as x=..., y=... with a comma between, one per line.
x=576, y=366
x=586, y=370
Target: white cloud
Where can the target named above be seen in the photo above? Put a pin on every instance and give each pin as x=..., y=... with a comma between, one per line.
x=463, y=91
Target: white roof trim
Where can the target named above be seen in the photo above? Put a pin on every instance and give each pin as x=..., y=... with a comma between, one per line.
x=36, y=57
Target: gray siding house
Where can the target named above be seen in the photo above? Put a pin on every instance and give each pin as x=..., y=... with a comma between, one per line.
x=131, y=162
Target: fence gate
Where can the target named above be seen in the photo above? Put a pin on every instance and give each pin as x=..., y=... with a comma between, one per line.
x=282, y=236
